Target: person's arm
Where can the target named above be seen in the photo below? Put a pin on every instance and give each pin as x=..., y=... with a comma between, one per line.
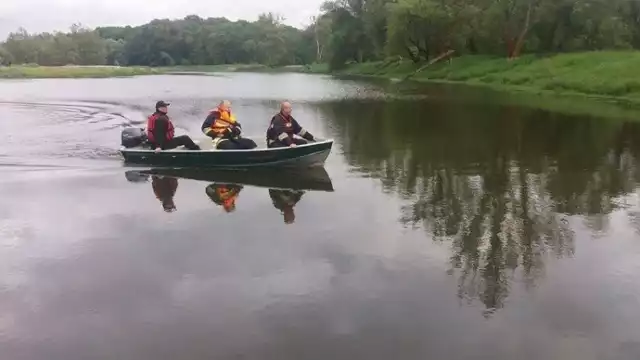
x=160, y=131
x=206, y=125
x=279, y=129
x=208, y=122
x=300, y=131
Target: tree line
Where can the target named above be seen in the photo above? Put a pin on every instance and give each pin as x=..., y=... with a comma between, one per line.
x=188, y=41
x=347, y=31
x=422, y=30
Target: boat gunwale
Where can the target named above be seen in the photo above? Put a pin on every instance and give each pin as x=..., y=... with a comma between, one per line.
x=186, y=151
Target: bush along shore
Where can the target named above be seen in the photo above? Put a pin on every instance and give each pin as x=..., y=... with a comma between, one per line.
x=40, y=72
x=606, y=74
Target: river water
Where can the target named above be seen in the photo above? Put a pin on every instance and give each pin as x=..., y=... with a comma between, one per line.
x=459, y=227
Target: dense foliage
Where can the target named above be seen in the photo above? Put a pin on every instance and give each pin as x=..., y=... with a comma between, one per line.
x=423, y=29
x=190, y=41
x=348, y=31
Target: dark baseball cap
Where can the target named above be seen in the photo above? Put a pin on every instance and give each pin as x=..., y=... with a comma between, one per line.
x=161, y=103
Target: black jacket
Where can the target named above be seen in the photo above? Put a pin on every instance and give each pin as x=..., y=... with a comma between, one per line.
x=283, y=128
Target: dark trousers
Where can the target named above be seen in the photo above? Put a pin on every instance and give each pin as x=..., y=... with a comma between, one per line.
x=236, y=144
x=296, y=141
x=183, y=140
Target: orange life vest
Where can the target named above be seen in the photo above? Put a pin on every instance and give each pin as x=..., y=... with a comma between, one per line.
x=223, y=121
x=151, y=126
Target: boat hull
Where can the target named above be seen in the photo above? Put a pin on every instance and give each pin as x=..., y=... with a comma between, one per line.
x=309, y=155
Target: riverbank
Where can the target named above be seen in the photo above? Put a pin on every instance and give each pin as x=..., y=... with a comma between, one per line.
x=208, y=69
x=44, y=72
x=73, y=71
x=607, y=75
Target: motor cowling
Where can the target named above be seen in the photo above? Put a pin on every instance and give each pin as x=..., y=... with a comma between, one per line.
x=132, y=137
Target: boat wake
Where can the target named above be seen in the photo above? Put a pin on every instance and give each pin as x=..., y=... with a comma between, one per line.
x=52, y=133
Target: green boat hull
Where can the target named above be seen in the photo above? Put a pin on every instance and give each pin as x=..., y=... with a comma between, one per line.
x=309, y=155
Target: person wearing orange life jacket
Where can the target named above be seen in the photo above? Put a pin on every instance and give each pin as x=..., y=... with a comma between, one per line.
x=283, y=127
x=224, y=195
x=225, y=130
x=161, y=132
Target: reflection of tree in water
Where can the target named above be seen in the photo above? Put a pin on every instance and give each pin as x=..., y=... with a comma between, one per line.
x=498, y=183
x=496, y=223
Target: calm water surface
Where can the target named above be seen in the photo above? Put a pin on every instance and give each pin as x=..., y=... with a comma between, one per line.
x=457, y=228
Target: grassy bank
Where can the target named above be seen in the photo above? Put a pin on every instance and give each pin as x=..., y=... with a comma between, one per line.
x=612, y=75
x=43, y=72
x=204, y=69
x=36, y=72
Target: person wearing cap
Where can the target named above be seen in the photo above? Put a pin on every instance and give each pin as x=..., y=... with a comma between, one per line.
x=225, y=131
x=283, y=127
x=161, y=132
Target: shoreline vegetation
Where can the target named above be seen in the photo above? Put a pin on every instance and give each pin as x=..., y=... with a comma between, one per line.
x=608, y=75
x=586, y=48
x=108, y=71
x=73, y=71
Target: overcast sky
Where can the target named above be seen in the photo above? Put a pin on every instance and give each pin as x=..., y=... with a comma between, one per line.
x=49, y=15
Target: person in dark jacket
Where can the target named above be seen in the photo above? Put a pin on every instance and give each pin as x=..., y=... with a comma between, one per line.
x=161, y=133
x=283, y=128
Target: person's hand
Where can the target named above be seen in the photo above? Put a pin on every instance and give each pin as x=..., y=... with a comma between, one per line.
x=158, y=150
x=293, y=145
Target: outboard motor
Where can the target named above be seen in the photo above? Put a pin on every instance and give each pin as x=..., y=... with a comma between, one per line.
x=132, y=137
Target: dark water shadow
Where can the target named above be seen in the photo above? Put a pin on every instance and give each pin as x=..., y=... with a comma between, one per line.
x=312, y=179
x=505, y=187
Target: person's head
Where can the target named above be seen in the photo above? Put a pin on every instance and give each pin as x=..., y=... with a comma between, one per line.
x=225, y=105
x=285, y=108
x=162, y=107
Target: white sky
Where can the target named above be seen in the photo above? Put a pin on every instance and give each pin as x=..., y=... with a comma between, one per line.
x=50, y=15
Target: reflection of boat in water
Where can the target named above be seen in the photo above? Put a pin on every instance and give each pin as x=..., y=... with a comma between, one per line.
x=312, y=179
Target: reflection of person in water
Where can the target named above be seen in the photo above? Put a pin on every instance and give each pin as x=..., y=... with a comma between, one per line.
x=285, y=200
x=165, y=189
x=224, y=195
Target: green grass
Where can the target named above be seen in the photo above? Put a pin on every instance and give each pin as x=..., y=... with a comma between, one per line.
x=213, y=68
x=608, y=74
x=203, y=69
x=35, y=72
